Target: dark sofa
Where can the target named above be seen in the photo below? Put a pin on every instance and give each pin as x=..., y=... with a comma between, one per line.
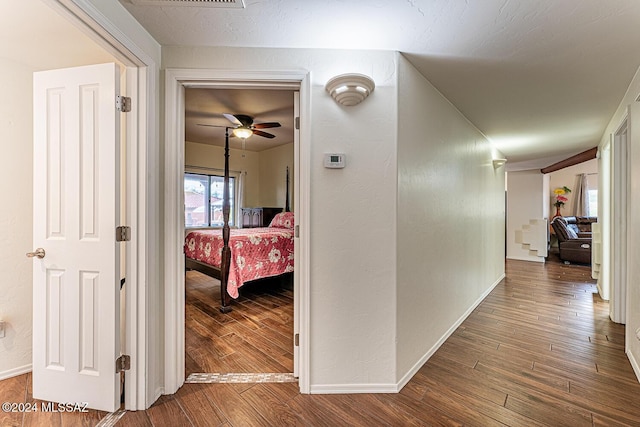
x=574, y=246
x=581, y=224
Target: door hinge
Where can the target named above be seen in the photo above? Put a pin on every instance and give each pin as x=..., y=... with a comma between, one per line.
x=296, y=340
x=297, y=231
x=298, y=123
x=123, y=233
x=123, y=103
x=123, y=363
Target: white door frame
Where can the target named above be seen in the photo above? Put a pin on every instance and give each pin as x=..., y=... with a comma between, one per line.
x=141, y=72
x=605, y=177
x=619, y=219
x=175, y=82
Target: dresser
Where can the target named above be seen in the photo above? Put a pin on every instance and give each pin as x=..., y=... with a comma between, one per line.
x=258, y=217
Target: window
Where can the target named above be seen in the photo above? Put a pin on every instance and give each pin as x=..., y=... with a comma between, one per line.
x=203, y=200
x=592, y=202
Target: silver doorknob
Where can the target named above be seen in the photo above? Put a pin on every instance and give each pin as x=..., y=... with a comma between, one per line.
x=38, y=253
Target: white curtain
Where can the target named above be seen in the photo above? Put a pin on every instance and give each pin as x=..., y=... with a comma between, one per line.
x=240, y=198
x=581, y=198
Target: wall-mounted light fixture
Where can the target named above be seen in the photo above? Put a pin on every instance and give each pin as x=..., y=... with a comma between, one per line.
x=350, y=89
x=498, y=162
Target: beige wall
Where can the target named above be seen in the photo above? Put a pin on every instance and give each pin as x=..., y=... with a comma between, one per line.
x=16, y=188
x=273, y=170
x=450, y=218
x=526, y=195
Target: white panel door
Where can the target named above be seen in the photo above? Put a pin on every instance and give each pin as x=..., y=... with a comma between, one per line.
x=76, y=210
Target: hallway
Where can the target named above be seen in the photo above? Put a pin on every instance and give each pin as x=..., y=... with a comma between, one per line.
x=539, y=351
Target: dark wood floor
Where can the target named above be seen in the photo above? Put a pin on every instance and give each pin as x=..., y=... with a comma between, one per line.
x=539, y=351
x=257, y=336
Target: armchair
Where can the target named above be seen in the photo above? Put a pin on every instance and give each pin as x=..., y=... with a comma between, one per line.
x=572, y=247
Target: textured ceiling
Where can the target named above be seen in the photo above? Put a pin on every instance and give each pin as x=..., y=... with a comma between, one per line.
x=540, y=78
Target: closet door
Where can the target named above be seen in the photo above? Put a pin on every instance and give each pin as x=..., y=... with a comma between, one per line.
x=76, y=284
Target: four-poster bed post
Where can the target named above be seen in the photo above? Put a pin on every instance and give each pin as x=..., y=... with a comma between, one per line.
x=226, y=251
x=286, y=206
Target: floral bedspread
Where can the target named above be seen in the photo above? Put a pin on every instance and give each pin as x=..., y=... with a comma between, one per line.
x=255, y=252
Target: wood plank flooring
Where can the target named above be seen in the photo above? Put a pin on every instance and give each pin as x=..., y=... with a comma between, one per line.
x=539, y=351
x=257, y=336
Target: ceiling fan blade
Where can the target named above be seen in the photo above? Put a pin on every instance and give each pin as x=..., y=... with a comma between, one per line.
x=212, y=126
x=266, y=125
x=233, y=119
x=264, y=134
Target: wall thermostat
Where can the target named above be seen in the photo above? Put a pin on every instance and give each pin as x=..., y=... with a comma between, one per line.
x=334, y=160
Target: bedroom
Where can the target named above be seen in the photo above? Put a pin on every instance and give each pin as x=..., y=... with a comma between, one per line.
x=260, y=324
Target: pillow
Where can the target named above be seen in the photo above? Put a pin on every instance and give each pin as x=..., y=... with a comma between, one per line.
x=282, y=220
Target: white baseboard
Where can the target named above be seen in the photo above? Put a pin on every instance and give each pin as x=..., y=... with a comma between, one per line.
x=158, y=392
x=634, y=364
x=600, y=291
x=353, y=388
x=407, y=377
x=15, y=372
x=395, y=388
x=532, y=259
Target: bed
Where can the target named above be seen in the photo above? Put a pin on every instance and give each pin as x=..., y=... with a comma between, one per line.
x=241, y=255
x=256, y=253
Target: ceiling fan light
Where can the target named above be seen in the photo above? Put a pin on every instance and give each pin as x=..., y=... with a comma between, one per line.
x=350, y=89
x=243, y=133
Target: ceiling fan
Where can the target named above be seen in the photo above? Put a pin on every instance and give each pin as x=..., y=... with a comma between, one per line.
x=244, y=126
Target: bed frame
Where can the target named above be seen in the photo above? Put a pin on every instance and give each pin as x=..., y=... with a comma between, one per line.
x=222, y=273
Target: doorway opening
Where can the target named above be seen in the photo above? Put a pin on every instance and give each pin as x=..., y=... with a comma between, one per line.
x=256, y=338
x=178, y=84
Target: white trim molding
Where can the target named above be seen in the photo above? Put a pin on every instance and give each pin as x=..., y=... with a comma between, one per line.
x=634, y=363
x=15, y=372
x=354, y=388
x=175, y=82
x=521, y=258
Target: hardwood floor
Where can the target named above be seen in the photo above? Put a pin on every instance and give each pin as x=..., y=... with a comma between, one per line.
x=540, y=350
x=257, y=336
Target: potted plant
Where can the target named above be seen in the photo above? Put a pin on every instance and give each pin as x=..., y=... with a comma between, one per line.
x=560, y=198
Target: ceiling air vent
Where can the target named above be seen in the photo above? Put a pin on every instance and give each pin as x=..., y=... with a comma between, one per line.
x=237, y=4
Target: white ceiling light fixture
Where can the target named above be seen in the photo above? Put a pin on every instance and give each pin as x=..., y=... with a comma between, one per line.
x=242, y=132
x=350, y=89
